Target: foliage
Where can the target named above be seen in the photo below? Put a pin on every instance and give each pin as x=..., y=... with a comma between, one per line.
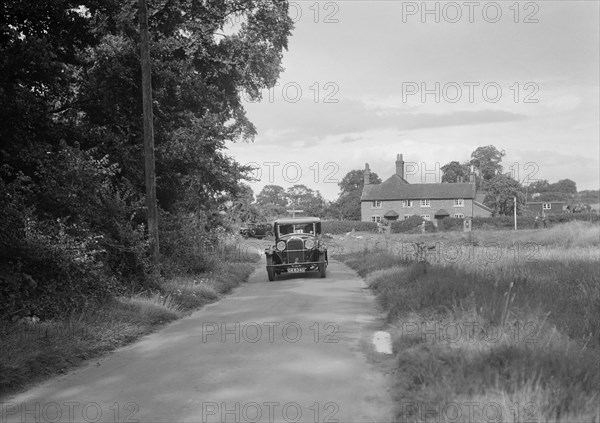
x=455, y=172
x=347, y=206
x=345, y=226
x=300, y=197
x=274, y=201
x=413, y=224
x=72, y=171
x=501, y=190
x=487, y=161
x=453, y=223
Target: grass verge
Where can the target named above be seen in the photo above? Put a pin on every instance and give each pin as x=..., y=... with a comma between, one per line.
x=31, y=352
x=510, y=340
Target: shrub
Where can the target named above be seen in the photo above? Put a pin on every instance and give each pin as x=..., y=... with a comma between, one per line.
x=453, y=224
x=344, y=226
x=186, y=248
x=528, y=222
x=412, y=225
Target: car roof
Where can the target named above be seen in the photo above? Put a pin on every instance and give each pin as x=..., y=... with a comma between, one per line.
x=297, y=220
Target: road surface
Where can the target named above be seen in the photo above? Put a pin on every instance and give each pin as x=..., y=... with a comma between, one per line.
x=293, y=350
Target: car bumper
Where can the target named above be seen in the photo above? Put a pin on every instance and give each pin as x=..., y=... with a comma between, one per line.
x=307, y=263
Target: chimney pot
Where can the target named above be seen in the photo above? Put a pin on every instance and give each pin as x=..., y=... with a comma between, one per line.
x=399, y=166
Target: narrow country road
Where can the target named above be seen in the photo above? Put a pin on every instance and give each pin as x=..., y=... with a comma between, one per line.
x=293, y=350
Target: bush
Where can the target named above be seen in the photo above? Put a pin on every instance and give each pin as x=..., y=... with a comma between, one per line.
x=528, y=222
x=185, y=247
x=453, y=224
x=412, y=225
x=344, y=226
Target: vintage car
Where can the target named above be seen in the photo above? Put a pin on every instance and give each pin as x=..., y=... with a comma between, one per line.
x=257, y=230
x=298, y=247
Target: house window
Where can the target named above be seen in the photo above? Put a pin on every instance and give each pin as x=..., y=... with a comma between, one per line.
x=376, y=204
x=547, y=206
x=375, y=218
x=459, y=202
x=459, y=215
x=406, y=216
x=426, y=216
x=426, y=203
x=407, y=203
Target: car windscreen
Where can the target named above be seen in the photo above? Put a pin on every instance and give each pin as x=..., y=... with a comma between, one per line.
x=297, y=228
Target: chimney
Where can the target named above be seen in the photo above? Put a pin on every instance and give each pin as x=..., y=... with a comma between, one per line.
x=472, y=174
x=367, y=174
x=400, y=166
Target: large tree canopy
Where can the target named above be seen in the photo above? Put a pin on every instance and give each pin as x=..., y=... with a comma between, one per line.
x=71, y=152
x=487, y=161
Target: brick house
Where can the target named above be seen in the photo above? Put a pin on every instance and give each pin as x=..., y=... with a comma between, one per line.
x=545, y=207
x=397, y=199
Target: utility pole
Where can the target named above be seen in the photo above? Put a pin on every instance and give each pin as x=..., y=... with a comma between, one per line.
x=148, y=134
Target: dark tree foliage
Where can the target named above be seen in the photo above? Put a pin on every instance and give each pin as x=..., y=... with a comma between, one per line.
x=71, y=153
x=347, y=206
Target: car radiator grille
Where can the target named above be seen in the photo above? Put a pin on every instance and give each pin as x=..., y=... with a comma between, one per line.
x=295, y=250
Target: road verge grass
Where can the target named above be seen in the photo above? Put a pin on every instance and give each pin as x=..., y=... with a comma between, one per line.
x=31, y=351
x=510, y=341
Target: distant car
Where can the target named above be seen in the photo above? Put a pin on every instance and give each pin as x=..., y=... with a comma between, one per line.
x=257, y=230
x=298, y=247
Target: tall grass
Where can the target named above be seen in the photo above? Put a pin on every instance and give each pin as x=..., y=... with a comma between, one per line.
x=513, y=336
x=30, y=352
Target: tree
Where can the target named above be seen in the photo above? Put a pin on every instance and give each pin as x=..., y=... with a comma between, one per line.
x=347, y=206
x=272, y=201
x=272, y=195
x=71, y=108
x=487, y=161
x=241, y=207
x=300, y=197
x=565, y=186
x=354, y=181
x=539, y=186
x=454, y=171
x=501, y=190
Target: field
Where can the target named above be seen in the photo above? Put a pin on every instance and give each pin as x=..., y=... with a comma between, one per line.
x=489, y=325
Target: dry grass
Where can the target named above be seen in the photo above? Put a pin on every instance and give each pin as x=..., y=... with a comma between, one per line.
x=518, y=335
x=31, y=352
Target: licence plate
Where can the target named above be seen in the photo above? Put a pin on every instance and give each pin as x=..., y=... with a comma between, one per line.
x=295, y=269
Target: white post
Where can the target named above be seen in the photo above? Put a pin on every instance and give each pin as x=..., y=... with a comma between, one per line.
x=515, y=212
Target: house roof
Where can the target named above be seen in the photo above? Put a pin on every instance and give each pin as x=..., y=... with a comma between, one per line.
x=544, y=202
x=396, y=188
x=482, y=206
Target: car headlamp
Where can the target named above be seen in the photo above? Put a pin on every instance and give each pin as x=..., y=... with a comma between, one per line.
x=309, y=243
x=281, y=245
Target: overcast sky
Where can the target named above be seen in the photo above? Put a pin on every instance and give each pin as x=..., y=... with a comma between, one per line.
x=365, y=80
